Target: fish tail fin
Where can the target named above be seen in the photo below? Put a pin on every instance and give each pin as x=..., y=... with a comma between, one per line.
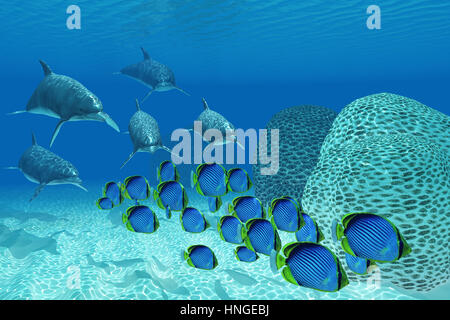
x=337, y=232
x=37, y=191
x=182, y=255
x=55, y=133
x=193, y=179
x=16, y=112
x=147, y=95
x=181, y=90
x=273, y=261
x=129, y=158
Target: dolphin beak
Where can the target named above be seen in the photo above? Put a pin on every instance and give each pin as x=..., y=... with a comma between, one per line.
x=109, y=121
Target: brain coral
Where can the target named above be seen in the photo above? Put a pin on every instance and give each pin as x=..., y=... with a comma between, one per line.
x=395, y=164
x=388, y=113
x=302, y=130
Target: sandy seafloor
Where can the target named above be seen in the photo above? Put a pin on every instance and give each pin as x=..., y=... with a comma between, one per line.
x=84, y=253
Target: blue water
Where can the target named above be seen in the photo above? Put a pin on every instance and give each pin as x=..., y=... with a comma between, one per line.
x=249, y=59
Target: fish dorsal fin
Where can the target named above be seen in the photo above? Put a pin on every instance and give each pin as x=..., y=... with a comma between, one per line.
x=138, y=107
x=145, y=53
x=45, y=68
x=205, y=104
x=33, y=139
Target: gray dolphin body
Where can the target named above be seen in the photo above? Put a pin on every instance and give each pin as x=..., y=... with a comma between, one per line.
x=213, y=120
x=152, y=74
x=65, y=98
x=144, y=133
x=43, y=167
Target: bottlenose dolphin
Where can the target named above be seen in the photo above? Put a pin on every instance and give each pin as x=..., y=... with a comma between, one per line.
x=65, y=98
x=144, y=133
x=152, y=74
x=213, y=120
x=43, y=167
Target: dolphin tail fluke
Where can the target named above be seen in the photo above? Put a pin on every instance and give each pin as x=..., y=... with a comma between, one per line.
x=129, y=158
x=55, y=133
x=16, y=112
x=109, y=121
x=181, y=90
x=37, y=191
x=148, y=95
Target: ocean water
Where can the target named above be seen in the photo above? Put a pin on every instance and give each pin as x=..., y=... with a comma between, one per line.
x=249, y=59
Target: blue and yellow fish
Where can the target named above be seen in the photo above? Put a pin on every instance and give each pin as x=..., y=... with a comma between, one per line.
x=358, y=265
x=214, y=203
x=113, y=191
x=192, y=220
x=136, y=188
x=171, y=196
x=167, y=171
x=238, y=180
x=370, y=236
x=285, y=213
x=261, y=236
x=310, y=231
x=200, y=257
x=230, y=229
x=310, y=265
x=244, y=254
x=246, y=208
x=210, y=180
x=140, y=219
x=105, y=203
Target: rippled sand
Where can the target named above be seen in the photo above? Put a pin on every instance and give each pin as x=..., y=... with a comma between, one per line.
x=97, y=258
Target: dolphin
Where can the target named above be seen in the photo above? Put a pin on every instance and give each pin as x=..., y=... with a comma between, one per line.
x=213, y=120
x=152, y=74
x=144, y=134
x=65, y=98
x=43, y=167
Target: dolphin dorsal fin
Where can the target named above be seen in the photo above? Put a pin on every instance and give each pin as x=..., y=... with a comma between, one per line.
x=205, y=104
x=33, y=139
x=145, y=53
x=46, y=68
x=137, y=105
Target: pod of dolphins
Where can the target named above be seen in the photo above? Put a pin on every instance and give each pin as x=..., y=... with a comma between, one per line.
x=253, y=230
x=62, y=97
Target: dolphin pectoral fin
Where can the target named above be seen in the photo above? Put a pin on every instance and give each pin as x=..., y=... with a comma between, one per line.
x=10, y=168
x=109, y=121
x=171, y=153
x=181, y=90
x=240, y=145
x=116, y=73
x=129, y=158
x=37, y=191
x=81, y=187
x=16, y=112
x=148, y=95
x=55, y=133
